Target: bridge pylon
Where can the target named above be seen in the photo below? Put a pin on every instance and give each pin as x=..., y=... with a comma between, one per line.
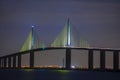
x=68, y=58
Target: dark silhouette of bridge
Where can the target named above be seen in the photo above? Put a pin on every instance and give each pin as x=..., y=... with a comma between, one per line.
x=67, y=42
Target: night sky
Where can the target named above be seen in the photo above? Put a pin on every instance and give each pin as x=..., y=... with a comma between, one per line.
x=97, y=20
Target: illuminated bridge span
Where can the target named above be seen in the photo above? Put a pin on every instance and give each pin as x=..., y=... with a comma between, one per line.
x=67, y=41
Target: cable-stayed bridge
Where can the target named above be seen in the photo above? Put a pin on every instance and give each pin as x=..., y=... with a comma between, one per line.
x=68, y=40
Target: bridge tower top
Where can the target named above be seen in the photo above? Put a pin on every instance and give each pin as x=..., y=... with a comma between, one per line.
x=32, y=41
x=68, y=33
x=69, y=38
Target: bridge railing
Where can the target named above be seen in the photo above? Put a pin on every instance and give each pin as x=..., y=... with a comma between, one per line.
x=14, y=60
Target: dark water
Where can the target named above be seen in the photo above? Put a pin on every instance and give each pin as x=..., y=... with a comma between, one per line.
x=38, y=74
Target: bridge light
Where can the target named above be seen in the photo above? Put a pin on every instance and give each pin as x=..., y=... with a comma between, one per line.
x=72, y=66
x=33, y=26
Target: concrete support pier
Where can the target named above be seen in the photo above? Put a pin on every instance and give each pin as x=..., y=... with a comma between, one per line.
x=19, y=60
x=14, y=61
x=9, y=62
x=90, y=59
x=102, y=59
x=68, y=58
x=31, y=59
x=5, y=62
x=116, y=60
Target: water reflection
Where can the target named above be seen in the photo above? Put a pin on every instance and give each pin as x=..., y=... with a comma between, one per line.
x=43, y=74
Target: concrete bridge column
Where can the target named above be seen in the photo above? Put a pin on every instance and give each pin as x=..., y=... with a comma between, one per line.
x=31, y=59
x=68, y=58
x=0, y=62
x=102, y=59
x=116, y=60
x=5, y=62
x=90, y=59
x=14, y=61
x=9, y=62
x=19, y=60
